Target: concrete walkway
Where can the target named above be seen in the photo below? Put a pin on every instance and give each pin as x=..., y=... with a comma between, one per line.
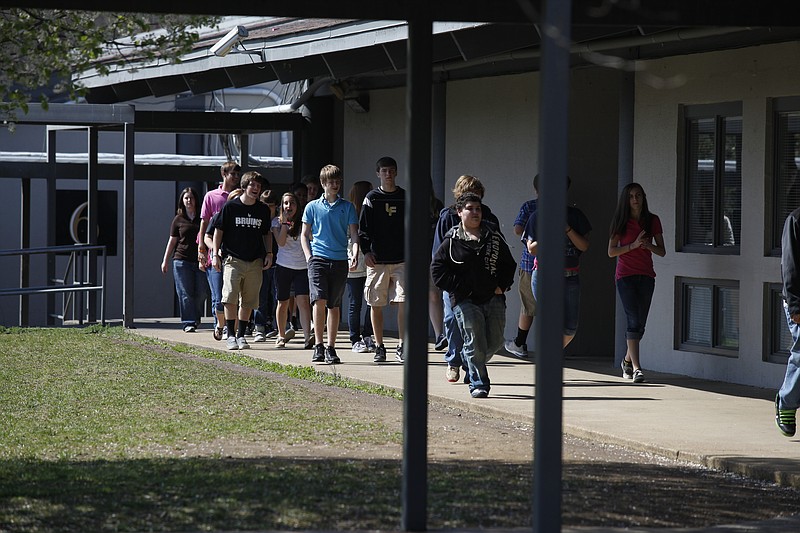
x=724, y=426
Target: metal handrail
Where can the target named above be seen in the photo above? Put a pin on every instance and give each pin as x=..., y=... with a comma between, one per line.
x=61, y=285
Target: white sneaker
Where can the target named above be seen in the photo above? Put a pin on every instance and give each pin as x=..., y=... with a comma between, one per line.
x=231, y=343
x=452, y=373
x=241, y=342
x=369, y=343
x=515, y=350
x=360, y=347
x=260, y=335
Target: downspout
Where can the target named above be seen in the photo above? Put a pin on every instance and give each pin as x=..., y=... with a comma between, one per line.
x=280, y=107
x=272, y=95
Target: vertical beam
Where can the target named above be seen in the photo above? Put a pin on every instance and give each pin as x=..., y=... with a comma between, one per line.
x=244, y=152
x=553, y=139
x=297, y=154
x=128, y=213
x=439, y=140
x=50, y=230
x=415, y=395
x=92, y=223
x=624, y=177
x=24, y=243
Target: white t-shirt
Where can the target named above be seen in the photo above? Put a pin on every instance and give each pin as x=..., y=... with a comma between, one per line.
x=290, y=255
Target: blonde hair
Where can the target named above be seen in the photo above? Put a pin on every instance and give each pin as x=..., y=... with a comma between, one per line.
x=467, y=183
x=329, y=172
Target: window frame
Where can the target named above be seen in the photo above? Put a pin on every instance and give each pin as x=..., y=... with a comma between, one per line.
x=773, y=226
x=688, y=113
x=774, y=318
x=681, y=316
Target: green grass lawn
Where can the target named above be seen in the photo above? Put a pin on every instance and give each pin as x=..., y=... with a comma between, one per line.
x=94, y=423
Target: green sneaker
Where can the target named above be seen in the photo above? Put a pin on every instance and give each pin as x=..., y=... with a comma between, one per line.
x=785, y=419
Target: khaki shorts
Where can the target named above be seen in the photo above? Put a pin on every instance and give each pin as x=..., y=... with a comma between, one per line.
x=385, y=284
x=526, y=294
x=241, y=282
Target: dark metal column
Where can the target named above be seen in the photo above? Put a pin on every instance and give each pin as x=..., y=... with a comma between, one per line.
x=624, y=177
x=553, y=123
x=244, y=152
x=92, y=219
x=50, y=232
x=415, y=395
x=127, y=248
x=24, y=243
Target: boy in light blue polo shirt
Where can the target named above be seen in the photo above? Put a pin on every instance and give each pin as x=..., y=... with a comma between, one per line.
x=327, y=223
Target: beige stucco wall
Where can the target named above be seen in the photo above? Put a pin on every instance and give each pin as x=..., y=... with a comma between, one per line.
x=492, y=132
x=751, y=76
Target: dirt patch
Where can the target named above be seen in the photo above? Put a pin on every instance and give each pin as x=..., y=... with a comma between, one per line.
x=603, y=485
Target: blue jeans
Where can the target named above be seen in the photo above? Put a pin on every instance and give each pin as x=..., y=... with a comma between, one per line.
x=265, y=312
x=355, y=286
x=453, y=335
x=572, y=300
x=215, y=284
x=636, y=293
x=790, y=390
x=481, y=327
x=190, y=284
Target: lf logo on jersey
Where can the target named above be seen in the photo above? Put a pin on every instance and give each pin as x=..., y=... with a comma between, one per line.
x=391, y=209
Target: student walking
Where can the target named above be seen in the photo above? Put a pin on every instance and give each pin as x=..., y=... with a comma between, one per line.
x=448, y=218
x=242, y=242
x=475, y=268
x=190, y=281
x=291, y=272
x=787, y=400
x=360, y=330
x=382, y=236
x=213, y=201
x=518, y=346
x=635, y=235
x=576, y=241
x=327, y=223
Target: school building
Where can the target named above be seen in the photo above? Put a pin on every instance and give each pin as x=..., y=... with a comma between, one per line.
x=706, y=119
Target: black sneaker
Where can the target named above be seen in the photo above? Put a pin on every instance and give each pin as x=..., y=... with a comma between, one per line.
x=399, y=353
x=627, y=369
x=785, y=419
x=330, y=356
x=319, y=354
x=380, y=354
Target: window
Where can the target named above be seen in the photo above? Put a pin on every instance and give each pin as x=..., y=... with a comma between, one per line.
x=712, y=178
x=778, y=338
x=709, y=316
x=785, y=158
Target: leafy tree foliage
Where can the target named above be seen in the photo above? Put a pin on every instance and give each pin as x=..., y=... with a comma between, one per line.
x=41, y=49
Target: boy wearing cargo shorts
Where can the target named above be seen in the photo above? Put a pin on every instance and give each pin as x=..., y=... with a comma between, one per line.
x=381, y=234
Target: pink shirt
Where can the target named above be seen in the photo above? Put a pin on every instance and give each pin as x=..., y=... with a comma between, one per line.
x=638, y=261
x=213, y=202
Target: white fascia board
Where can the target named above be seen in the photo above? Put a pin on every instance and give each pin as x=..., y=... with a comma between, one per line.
x=347, y=36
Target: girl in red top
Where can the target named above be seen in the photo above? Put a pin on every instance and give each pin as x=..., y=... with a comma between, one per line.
x=636, y=235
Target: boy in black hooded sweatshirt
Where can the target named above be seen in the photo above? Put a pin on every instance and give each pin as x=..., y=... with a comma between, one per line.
x=475, y=266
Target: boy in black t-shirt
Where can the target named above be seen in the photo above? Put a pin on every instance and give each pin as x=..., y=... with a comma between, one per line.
x=242, y=241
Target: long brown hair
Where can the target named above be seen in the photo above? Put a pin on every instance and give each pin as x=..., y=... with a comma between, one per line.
x=297, y=219
x=357, y=193
x=182, y=209
x=623, y=212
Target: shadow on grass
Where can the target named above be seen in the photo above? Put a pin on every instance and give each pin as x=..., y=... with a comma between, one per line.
x=288, y=494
